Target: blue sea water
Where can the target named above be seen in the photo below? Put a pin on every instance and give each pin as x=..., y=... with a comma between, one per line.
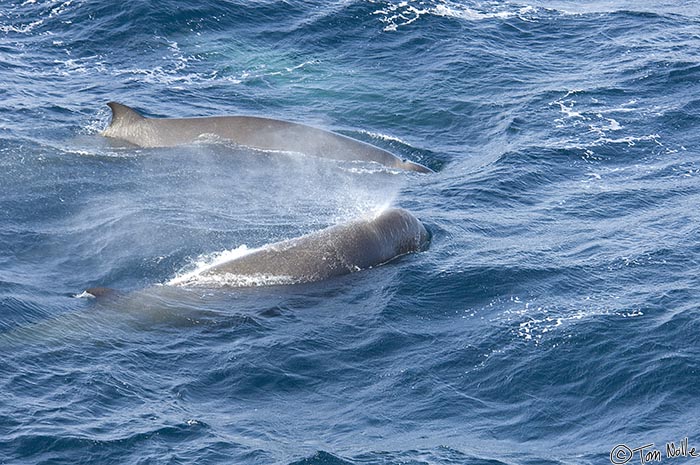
x=555, y=316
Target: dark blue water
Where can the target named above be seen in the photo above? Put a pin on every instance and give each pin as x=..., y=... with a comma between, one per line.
x=555, y=315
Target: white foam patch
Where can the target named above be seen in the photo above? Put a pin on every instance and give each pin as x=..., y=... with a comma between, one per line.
x=236, y=280
x=174, y=75
x=364, y=170
x=53, y=7
x=629, y=140
x=84, y=295
x=599, y=121
x=568, y=109
x=399, y=14
x=207, y=262
x=99, y=123
x=627, y=107
x=469, y=14
x=588, y=118
x=21, y=29
x=385, y=137
x=535, y=322
x=71, y=67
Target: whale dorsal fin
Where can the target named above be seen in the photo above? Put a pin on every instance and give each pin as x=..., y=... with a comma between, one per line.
x=123, y=115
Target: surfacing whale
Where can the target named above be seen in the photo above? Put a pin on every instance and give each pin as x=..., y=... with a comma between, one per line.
x=250, y=131
x=334, y=251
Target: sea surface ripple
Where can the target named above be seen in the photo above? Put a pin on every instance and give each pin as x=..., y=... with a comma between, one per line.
x=554, y=317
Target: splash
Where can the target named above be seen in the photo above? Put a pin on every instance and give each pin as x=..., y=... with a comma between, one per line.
x=84, y=295
x=236, y=280
x=206, y=262
x=403, y=13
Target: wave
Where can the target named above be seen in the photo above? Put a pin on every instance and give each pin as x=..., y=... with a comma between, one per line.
x=395, y=15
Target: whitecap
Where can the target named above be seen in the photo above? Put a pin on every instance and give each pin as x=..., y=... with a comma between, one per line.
x=402, y=13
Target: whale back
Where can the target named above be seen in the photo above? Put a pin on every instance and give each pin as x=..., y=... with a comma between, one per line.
x=334, y=251
x=250, y=131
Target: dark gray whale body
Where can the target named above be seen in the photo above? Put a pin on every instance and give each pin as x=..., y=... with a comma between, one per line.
x=338, y=250
x=254, y=132
x=334, y=251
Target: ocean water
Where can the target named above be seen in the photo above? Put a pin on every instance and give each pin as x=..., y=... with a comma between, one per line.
x=554, y=319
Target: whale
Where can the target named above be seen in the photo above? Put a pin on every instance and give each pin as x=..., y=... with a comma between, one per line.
x=341, y=249
x=360, y=244
x=250, y=131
